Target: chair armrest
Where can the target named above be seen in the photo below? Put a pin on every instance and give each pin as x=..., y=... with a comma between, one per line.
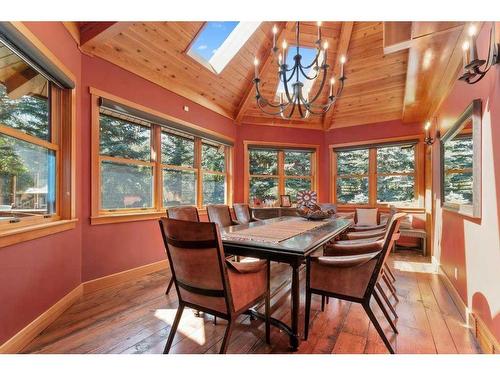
x=370, y=227
x=246, y=267
x=346, y=260
x=341, y=249
x=367, y=234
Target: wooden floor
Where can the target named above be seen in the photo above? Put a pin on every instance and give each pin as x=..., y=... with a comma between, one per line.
x=136, y=318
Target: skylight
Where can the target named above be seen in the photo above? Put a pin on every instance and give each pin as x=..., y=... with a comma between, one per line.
x=218, y=42
x=308, y=54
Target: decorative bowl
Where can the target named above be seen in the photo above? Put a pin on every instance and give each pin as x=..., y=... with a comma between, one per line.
x=313, y=215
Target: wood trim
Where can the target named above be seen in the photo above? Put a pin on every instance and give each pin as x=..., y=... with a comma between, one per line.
x=419, y=137
x=123, y=276
x=14, y=133
x=95, y=177
x=139, y=107
x=31, y=232
x=16, y=343
x=123, y=217
x=457, y=300
x=100, y=31
x=73, y=29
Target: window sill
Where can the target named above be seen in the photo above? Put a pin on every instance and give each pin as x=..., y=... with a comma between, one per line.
x=124, y=217
x=31, y=232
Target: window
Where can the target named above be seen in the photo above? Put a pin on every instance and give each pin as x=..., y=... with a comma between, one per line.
x=273, y=172
x=458, y=181
x=32, y=113
x=145, y=167
x=218, y=42
x=380, y=174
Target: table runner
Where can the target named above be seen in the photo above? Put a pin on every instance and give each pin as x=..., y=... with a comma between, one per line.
x=275, y=232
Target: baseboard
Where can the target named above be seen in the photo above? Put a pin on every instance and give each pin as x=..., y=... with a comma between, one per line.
x=486, y=340
x=17, y=342
x=121, y=277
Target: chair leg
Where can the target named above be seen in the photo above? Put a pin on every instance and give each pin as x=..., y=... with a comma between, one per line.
x=308, y=312
x=384, y=296
x=391, y=287
x=173, y=329
x=389, y=272
x=384, y=311
x=170, y=283
x=267, y=307
x=377, y=326
x=327, y=300
x=215, y=320
x=323, y=303
x=227, y=336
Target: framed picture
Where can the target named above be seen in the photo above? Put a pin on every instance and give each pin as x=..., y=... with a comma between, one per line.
x=285, y=201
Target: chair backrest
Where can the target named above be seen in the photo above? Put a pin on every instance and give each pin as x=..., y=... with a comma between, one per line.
x=242, y=213
x=391, y=235
x=220, y=214
x=197, y=262
x=187, y=213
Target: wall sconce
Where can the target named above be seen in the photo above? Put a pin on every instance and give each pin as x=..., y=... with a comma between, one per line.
x=428, y=140
x=472, y=64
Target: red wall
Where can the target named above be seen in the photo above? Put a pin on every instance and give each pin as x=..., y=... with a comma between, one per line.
x=36, y=274
x=472, y=246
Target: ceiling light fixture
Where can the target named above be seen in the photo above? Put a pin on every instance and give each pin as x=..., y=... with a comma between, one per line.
x=472, y=64
x=295, y=95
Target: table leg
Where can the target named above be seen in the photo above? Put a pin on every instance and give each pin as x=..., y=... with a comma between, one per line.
x=294, y=337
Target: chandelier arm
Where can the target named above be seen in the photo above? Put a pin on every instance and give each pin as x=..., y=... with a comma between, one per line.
x=287, y=92
x=304, y=74
x=322, y=108
x=314, y=62
x=491, y=53
x=262, y=108
x=323, y=80
x=261, y=98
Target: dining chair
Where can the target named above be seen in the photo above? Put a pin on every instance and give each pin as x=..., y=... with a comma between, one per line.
x=206, y=281
x=220, y=214
x=187, y=213
x=243, y=213
x=352, y=274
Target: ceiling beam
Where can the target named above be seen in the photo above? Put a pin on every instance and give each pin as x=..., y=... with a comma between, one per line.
x=343, y=46
x=268, y=60
x=73, y=29
x=100, y=31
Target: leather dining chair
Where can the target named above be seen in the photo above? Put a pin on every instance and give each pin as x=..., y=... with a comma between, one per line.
x=220, y=214
x=187, y=213
x=351, y=273
x=243, y=213
x=206, y=281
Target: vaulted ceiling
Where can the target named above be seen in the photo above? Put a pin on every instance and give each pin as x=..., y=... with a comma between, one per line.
x=394, y=70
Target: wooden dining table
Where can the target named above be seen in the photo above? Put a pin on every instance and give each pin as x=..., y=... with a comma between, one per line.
x=286, y=240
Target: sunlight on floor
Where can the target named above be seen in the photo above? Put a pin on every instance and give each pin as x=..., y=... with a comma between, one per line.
x=192, y=328
x=406, y=266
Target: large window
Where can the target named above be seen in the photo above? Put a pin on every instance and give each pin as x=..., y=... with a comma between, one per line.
x=458, y=161
x=145, y=167
x=380, y=174
x=32, y=153
x=273, y=172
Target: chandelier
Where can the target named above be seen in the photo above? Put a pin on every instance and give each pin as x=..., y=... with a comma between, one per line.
x=296, y=95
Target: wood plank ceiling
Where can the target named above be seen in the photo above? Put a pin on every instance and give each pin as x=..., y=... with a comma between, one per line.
x=379, y=87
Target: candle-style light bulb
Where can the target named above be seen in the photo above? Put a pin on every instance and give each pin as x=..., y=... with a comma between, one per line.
x=426, y=128
x=319, y=29
x=275, y=31
x=256, y=65
x=284, y=45
x=465, y=49
x=342, y=62
x=325, y=45
x=280, y=59
x=332, y=82
x=472, y=43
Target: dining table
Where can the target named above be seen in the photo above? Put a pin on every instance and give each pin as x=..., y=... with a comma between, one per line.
x=287, y=240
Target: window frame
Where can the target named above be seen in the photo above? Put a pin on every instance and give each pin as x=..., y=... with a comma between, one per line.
x=372, y=146
x=281, y=176
x=62, y=123
x=102, y=216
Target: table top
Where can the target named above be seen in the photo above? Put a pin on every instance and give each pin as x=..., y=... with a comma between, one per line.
x=301, y=244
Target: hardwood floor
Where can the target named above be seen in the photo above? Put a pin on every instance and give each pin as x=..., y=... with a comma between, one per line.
x=135, y=318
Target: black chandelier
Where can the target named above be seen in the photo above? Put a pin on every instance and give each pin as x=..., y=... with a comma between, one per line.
x=294, y=98
x=473, y=66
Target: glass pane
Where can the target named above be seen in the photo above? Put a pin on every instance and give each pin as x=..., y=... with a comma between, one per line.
x=24, y=103
x=126, y=186
x=214, y=189
x=123, y=139
x=213, y=158
x=177, y=150
x=294, y=185
x=211, y=37
x=352, y=190
x=395, y=189
x=263, y=188
x=263, y=162
x=458, y=153
x=396, y=159
x=297, y=163
x=458, y=188
x=27, y=179
x=352, y=162
x=179, y=187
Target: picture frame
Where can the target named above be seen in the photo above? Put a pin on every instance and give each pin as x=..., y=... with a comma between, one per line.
x=285, y=200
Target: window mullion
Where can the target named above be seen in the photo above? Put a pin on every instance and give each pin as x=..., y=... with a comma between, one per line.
x=199, y=173
x=281, y=172
x=157, y=170
x=372, y=179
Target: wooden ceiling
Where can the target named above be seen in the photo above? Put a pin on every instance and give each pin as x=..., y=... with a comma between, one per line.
x=384, y=82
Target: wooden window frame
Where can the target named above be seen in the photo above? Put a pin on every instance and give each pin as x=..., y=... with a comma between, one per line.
x=62, y=124
x=100, y=216
x=281, y=176
x=372, y=146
